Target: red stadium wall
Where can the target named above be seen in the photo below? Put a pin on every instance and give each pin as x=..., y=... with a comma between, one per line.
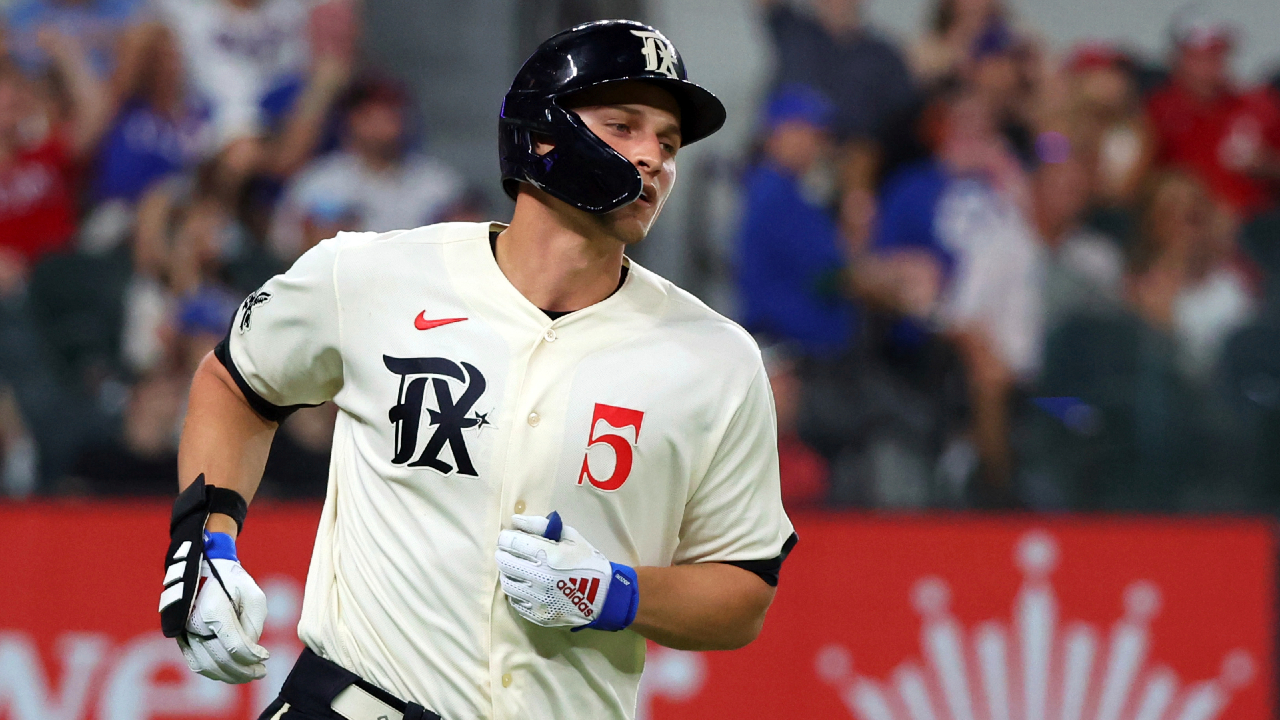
x=946, y=617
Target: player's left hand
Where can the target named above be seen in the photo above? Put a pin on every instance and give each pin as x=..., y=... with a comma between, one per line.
x=553, y=577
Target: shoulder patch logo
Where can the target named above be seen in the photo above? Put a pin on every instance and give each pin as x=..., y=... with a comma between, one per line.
x=246, y=308
x=659, y=53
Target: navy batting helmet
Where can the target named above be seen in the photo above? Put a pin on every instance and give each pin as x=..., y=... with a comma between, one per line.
x=582, y=169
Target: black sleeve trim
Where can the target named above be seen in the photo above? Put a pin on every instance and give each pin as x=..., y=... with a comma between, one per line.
x=768, y=569
x=260, y=405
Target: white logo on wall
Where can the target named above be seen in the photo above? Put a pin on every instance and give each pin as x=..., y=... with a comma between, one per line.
x=1034, y=667
x=135, y=680
x=659, y=53
x=674, y=675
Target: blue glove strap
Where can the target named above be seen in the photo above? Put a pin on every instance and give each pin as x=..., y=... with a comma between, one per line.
x=620, y=602
x=220, y=546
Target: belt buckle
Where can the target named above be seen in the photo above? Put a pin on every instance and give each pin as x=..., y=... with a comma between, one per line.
x=355, y=703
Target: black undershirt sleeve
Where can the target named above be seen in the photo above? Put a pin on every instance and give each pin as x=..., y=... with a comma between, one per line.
x=768, y=569
x=260, y=405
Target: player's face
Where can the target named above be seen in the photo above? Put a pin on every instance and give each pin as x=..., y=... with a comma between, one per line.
x=642, y=122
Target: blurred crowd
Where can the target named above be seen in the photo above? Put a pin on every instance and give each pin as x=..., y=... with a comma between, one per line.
x=986, y=272
x=159, y=159
x=996, y=274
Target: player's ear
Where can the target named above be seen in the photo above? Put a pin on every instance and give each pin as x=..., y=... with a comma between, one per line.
x=542, y=144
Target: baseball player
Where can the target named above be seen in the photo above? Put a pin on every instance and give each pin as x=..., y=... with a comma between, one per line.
x=545, y=453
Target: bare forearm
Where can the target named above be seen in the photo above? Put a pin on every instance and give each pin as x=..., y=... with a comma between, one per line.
x=222, y=438
x=90, y=108
x=707, y=606
x=131, y=59
x=302, y=130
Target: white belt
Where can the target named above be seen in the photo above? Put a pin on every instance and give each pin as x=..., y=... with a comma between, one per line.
x=355, y=703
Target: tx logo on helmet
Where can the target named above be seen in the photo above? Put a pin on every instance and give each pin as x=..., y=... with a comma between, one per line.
x=659, y=53
x=449, y=417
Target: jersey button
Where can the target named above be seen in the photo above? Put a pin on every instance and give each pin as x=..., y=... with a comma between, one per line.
x=534, y=419
x=549, y=335
x=506, y=680
x=519, y=507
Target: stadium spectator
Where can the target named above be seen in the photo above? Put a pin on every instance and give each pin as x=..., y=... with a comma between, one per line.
x=161, y=127
x=95, y=25
x=1206, y=125
x=43, y=136
x=40, y=149
x=1084, y=270
x=250, y=58
x=298, y=466
x=201, y=321
x=19, y=471
x=1006, y=71
x=970, y=209
x=797, y=271
x=948, y=43
x=804, y=473
x=1109, y=120
x=191, y=235
x=376, y=181
x=1183, y=280
x=834, y=51
x=789, y=254
x=144, y=458
x=141, y=458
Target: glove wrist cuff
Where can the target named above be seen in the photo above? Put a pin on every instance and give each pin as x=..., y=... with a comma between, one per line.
x=220, y=546
x=186, y=544
x=621, y=602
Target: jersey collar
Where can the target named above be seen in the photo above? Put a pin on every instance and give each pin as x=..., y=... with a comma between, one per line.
x=478, y=261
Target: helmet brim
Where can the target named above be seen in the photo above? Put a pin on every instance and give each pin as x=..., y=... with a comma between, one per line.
x=701, y=112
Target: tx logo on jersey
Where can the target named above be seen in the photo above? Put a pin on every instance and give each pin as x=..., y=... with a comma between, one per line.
x=581, y=592
x=659, y=53
x=254, y=300
x=446, y=420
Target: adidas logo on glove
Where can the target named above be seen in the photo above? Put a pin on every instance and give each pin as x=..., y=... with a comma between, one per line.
x=581, y=592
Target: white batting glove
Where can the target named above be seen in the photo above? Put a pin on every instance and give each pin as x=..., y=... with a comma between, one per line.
x=553, y=577
x=227, y=618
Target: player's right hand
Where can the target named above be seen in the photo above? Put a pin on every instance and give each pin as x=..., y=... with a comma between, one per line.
x=227, y=618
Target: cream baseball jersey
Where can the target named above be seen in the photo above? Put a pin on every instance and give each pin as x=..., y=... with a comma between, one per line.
x=646, y=420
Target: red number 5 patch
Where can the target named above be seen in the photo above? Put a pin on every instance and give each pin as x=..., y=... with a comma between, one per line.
x=614, y=419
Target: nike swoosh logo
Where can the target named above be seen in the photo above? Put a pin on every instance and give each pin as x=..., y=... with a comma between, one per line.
x=422, y=323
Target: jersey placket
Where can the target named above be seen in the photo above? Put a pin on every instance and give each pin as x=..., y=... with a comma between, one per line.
x=526, y=467
x=533, y=448
x=543, y=375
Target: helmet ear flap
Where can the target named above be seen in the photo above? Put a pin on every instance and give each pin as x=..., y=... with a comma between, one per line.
x=581, y=169
x=515, y=150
